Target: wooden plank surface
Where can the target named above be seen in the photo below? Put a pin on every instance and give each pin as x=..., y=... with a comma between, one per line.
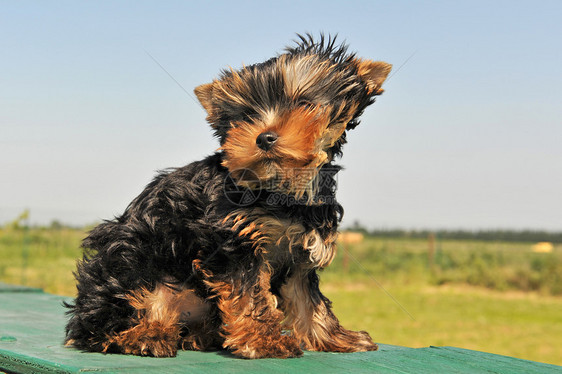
x=32, y=331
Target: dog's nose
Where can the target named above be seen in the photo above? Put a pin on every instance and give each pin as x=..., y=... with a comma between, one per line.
x=266, y=140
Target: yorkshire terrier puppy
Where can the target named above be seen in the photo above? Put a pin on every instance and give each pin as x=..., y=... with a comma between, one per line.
x=224, y=253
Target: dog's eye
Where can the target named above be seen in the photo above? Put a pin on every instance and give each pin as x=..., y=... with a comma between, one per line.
x=239, y=116
x=305, y=104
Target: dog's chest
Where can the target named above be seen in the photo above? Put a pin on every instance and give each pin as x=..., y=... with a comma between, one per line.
x=294, y=245
x=283, y=241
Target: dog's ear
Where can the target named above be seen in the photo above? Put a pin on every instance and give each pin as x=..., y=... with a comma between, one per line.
x=373, y=73
x=204, y=93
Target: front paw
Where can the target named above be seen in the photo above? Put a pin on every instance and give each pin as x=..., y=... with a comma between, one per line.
x=361, y=342
x=344, y=340
x=268, y=347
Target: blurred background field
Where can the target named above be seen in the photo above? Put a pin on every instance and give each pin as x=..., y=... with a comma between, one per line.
x=406, y=288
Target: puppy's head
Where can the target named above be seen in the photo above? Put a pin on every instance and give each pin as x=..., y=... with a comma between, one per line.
x=285, y=118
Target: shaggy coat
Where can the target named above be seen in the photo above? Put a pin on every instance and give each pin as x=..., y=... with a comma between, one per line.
x=224, y=253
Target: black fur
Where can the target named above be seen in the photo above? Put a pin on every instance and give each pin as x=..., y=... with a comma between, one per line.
x=177, y=231
x=175, y=220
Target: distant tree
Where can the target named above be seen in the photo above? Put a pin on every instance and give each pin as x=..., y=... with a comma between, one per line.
x=358, y=227
x=56, y=225
x=21, y=221
x=484, y=235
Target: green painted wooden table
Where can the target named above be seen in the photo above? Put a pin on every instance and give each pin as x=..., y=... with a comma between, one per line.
x=32, y=329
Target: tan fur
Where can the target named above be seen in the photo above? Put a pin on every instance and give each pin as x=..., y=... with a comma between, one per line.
x=278, y=237
x=146, y=339
x=300, y=74
x=159, y=315
x=313, y=323
x=264, y=230
x=69, y=343
x=322, y=252
x=204, y=93
x=305, y=133
x=167, y=304
x=293, y=163
x=252, y=322
x=374, y=73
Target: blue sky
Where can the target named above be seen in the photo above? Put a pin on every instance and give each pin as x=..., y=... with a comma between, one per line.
x=467, y=135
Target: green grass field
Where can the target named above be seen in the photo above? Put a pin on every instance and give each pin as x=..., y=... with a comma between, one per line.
x=514, y=323
x=491, y=296
x=40, y=258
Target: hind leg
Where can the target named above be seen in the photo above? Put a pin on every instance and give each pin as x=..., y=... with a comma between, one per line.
x=164, y=316
x=146, y=339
